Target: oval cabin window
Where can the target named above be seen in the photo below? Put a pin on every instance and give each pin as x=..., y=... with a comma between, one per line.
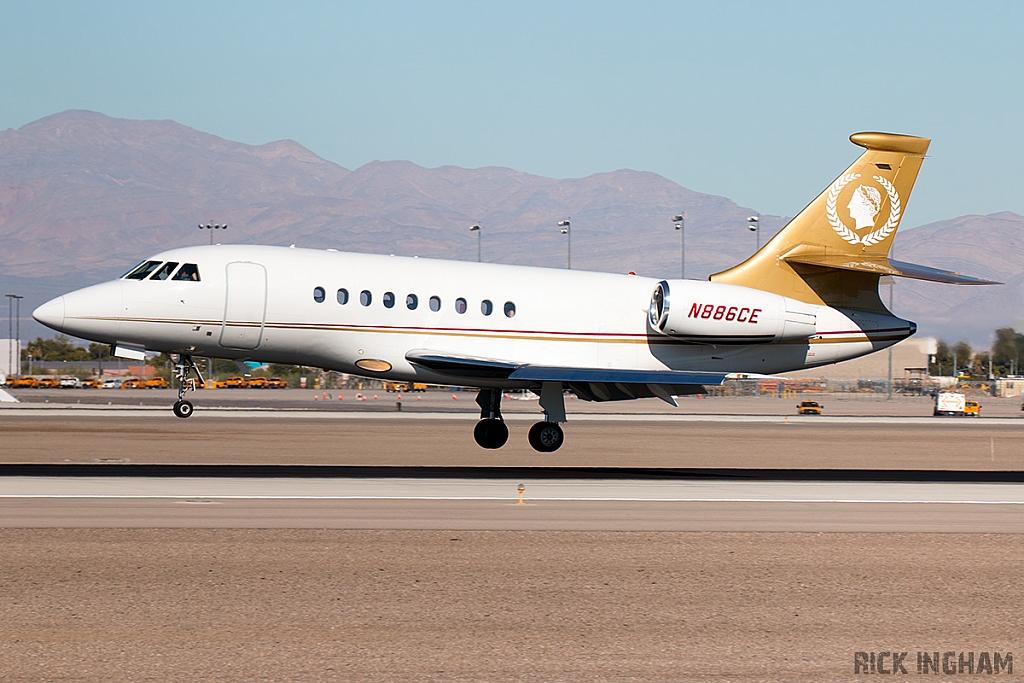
x=319, y=295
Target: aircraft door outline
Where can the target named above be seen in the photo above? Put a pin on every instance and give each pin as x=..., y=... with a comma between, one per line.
x=245, y=305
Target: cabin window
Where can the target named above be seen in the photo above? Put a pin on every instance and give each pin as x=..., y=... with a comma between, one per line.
x=412, y=301
x=389, y=299
x=342, y=296
x=510, y=309
x=166, y=271
x=365, y=298
x=486, y=307
x=435, y=303
x=189, y=272
x=143, y=271
x=460, y=305
x=319, y=295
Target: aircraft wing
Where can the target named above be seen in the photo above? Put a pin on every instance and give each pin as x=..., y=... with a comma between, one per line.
x=590, y=384
x=883, y=265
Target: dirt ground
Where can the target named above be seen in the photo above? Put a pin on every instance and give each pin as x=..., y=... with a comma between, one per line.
x=307, y=605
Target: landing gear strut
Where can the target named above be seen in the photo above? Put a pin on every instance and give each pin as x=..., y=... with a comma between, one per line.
x=183, y=366
x=490, y=431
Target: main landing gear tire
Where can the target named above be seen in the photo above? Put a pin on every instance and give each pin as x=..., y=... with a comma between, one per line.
x=546, y=437
x=490, y=433
x=183, y=409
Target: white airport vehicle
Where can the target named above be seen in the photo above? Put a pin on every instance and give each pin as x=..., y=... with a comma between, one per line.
x=809, y=297
x=955, y=403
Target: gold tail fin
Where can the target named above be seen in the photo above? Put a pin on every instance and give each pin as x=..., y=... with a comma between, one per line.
x=854, y=220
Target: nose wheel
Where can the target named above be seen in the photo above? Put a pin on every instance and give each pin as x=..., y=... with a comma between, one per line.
x=546, y=437
x=183, y=408
x=183, y=367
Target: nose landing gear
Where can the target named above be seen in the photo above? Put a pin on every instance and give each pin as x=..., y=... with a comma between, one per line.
x=183, y=366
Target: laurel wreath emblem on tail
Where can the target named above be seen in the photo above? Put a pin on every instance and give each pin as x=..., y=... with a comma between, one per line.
x=830, y=208
x=894, y=214
x=875, y=236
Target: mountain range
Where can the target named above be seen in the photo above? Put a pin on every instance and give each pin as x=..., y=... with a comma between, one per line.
x=84, y=196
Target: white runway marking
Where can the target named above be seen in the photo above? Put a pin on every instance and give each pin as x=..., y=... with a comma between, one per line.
x=505, y=490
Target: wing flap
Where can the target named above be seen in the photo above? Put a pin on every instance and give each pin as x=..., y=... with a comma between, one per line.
x=542, y=373
x=590, y=384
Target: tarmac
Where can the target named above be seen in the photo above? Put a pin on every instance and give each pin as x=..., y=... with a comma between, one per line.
x=883, y=530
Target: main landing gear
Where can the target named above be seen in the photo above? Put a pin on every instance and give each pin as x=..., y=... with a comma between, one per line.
x=490, y=432
x=545, y=437
x=183, y=366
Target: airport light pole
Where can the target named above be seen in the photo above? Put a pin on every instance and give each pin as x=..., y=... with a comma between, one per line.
x=566, y=227
x=889, y=280
x=476, y=229
x=754, y=225
x=680, y=222
x=211, y=228
x=14, y=352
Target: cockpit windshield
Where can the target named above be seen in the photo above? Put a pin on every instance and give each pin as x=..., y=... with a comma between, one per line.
x=166, y=271
x=143, y=271
x=189, y=271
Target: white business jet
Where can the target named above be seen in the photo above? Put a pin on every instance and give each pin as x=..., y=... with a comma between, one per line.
x=809, y=297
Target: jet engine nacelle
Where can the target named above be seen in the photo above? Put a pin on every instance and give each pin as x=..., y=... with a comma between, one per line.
x=715, y=313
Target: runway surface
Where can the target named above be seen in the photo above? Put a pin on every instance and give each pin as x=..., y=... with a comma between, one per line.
x=548, y=504
x=261, y=437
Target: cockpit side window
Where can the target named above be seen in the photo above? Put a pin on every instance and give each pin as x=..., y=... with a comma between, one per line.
x=189, y=271
x=166, y=271
x=143, y=271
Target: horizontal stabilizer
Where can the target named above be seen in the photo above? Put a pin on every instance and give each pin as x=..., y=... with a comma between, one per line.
x=883, y=265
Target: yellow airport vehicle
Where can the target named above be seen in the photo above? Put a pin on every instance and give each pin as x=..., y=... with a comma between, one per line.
x=972, y=409
x=131, y=383
x=92, y=383
x=257, y=383
x=47, y=383
x=28, y=382
x=237, y=382
x=276, y=383
x=809, y=408
x=156, y=383
x=404, y=386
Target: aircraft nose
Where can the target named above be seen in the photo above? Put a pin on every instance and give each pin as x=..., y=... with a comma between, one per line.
x=51, y=313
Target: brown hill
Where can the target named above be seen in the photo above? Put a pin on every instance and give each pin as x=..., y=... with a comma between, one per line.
x=84, y=196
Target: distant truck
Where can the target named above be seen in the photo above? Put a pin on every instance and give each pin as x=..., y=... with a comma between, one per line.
x=404, y=386
x=954, y=403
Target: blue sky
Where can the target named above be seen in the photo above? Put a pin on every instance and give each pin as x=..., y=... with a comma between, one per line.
x=753, y=101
